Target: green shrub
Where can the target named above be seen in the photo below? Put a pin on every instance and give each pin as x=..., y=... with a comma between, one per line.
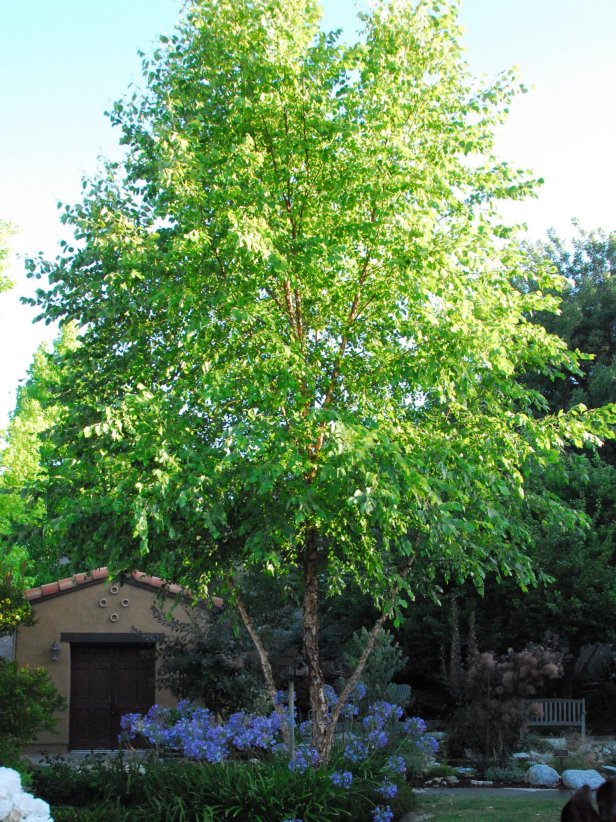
x=386, y=659
x=244, y=791
x=441, y=769
x=94, y=780
x=28, y=704
x=534, y=742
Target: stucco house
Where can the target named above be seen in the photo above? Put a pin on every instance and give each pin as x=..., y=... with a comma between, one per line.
x=97, y=638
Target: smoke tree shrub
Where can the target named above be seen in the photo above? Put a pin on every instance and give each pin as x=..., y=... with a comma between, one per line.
x=498, y=696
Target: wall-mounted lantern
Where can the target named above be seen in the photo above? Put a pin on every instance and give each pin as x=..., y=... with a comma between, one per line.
x=54, y=652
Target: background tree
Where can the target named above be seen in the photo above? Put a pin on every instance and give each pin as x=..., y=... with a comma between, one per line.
x=587, y=317
x=301, y=345
x=25, y=561
x=13, y=606
x=576, y=555
x=579, y=559
x=6, y=229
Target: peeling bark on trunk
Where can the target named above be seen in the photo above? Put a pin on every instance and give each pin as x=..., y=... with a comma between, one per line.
x=324, y=726
x=318, y=706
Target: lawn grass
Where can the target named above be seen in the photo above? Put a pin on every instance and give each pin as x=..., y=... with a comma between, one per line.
x=490, y=808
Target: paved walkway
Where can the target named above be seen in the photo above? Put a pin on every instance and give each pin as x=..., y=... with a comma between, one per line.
x=548, y=793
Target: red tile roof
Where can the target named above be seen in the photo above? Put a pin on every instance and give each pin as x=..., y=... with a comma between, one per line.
x=67, y=584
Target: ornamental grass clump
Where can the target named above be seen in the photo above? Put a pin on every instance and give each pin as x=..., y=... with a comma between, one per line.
x=15, y=804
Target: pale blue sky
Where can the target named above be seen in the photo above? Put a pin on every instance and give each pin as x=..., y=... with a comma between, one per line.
x=63, y=62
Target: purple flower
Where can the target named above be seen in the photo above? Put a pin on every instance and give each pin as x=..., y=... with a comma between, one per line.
x=355, y=750
x=331, y=697
x=388, y=790
x=382, y=813
x=305, y=757
x=342, y=779
x=381, y=712
x=349, y=710
x=396, y=764
x=414, y=726
x=427, y=745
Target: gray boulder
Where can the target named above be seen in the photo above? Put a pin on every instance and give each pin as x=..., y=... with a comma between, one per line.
x=575, y=779
x=542, y=776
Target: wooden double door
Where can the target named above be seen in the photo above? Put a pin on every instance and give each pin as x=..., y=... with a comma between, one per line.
x=108, y=681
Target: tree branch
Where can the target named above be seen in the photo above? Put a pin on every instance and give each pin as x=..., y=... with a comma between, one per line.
x=268, y=674
x=361, y=664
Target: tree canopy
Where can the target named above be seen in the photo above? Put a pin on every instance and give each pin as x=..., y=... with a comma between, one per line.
x=301, y=344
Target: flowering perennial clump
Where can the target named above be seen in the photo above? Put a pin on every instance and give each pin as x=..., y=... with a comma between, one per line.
x=15, y=804
x=198, y=734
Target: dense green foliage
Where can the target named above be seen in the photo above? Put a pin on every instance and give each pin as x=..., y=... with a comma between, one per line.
x=14, y=608
x=24, y=558
x=301, y=344
x=576, y=554
x=202, y=658
x=28, y=704
x=174, y=791
x=208, y=655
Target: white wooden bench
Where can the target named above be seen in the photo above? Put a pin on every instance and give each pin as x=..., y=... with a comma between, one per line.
x=560, y=713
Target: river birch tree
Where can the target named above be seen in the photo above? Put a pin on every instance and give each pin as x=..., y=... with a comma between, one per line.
x=300, y=339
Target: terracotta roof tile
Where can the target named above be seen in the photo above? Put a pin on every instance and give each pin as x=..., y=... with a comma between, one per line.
x=99, y=574
x=49, y=588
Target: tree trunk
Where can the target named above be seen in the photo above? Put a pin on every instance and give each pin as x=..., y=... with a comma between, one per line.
x=318, y=706
x=324, y=723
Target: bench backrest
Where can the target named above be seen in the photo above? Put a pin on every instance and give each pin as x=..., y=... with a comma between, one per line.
x=564, y=713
